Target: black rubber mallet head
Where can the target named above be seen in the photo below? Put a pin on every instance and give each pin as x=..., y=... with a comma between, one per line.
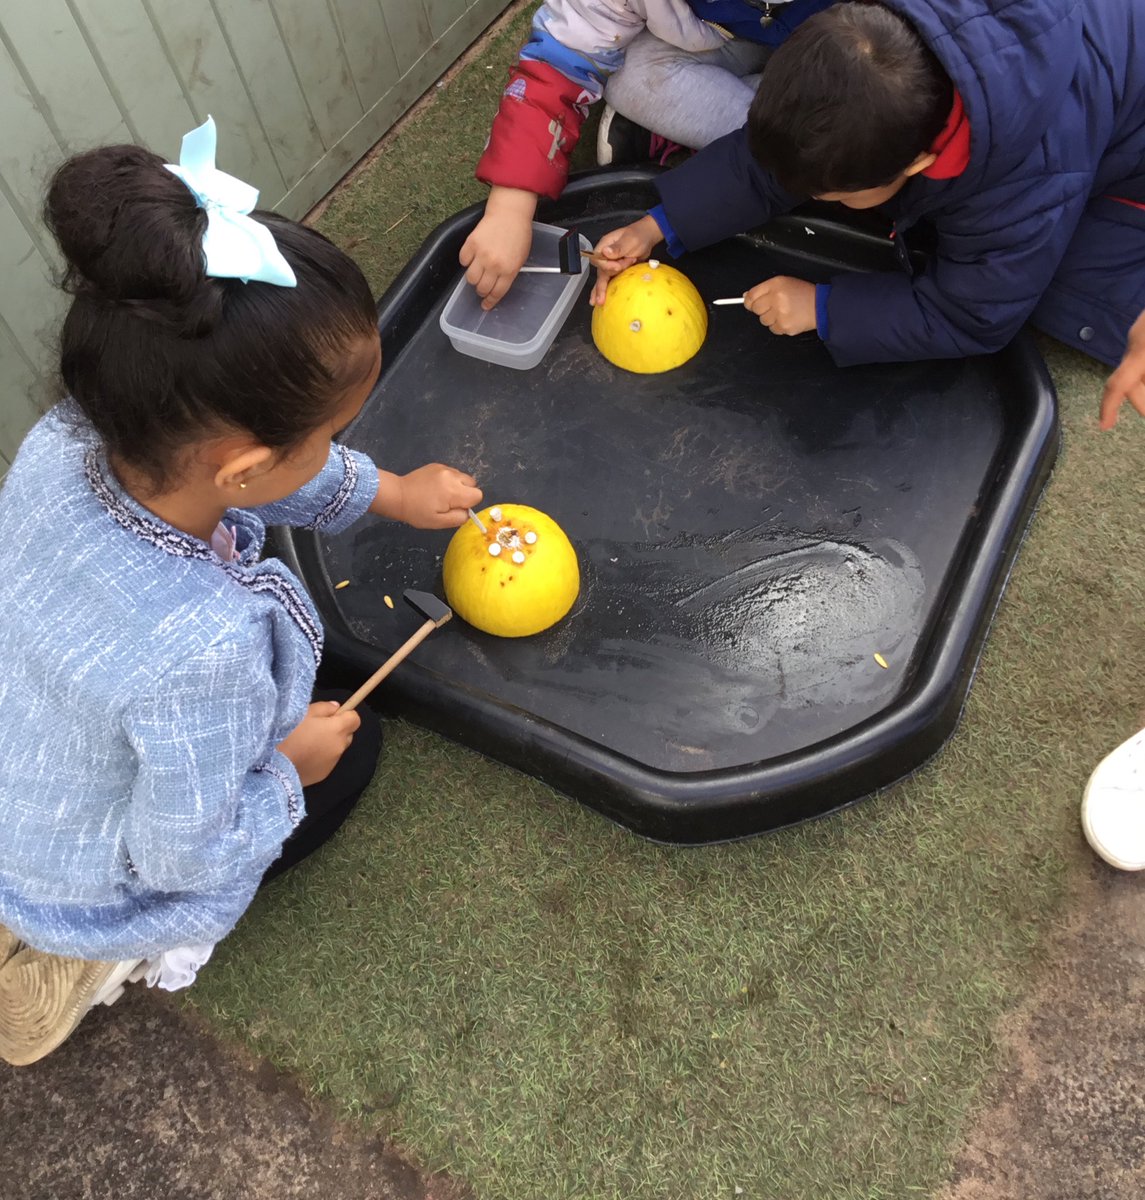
x=434, y=612
x=428, y=607
x=569, y=255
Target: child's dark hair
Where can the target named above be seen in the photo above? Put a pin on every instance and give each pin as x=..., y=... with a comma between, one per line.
x=156, y=353
x=848, y=102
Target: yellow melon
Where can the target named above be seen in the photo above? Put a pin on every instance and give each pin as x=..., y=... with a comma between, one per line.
x=517, y=578
x=652, y=319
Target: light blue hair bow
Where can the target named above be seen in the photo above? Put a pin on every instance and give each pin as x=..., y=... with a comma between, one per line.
x=234, y=246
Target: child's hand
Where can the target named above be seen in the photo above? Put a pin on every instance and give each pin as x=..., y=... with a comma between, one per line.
x=496, y=250
x=1128, y=381
x=438, y=497
x=783, y=304
x=432, y=497
x=316, y=744
x=622, y=248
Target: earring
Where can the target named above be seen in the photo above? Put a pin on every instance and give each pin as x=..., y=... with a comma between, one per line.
x=242, y=485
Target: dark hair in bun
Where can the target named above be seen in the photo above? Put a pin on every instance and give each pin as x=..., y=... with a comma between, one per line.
x=156, y=353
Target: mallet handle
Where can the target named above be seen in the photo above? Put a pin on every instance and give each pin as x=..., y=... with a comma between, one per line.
x=394, y=659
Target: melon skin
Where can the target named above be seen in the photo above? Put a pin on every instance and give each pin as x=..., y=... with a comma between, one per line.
x=506, y=598
x=652, y=319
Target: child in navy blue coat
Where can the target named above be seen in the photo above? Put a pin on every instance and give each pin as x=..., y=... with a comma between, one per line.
x=1016, y=130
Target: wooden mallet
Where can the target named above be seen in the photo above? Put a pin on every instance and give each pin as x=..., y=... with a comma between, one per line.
x=436, y=612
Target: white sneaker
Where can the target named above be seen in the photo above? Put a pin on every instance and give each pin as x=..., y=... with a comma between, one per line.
x=128, y=970
x=620, y=141
x=1113, y=809
x=603, y=146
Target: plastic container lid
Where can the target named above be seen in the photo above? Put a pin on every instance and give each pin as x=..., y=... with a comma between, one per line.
x=522, y=327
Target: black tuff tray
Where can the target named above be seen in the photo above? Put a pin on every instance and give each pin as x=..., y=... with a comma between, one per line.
x=753, y=529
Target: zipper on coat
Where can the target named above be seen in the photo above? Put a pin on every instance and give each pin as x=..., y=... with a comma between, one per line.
x=763, y=7
x=902, y=250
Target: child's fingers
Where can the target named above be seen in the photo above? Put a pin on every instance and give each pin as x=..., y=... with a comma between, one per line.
x=604, y=273
x=1137, y=398
x=453, y=518
x=348, y=722
x=1112, y=400
x=1115, y=393
x=476, y=275
x=759, y=292
x=625, y=251
x=1117, y=390
x=488, y=284
x=760, y=305
x=327, y=710
x=611, y=245
x=468, y=252
x=458, y=487
x=502, y=284
x=465, y=498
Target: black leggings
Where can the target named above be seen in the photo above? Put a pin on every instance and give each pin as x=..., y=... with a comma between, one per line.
x=330, y=802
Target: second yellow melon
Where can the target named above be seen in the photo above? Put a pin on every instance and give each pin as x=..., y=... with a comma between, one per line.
x=652, y=319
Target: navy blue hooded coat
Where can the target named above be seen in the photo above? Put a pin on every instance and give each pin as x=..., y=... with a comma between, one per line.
x=1055, y=95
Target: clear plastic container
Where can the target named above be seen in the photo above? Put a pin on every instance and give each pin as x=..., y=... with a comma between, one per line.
x=522, y=327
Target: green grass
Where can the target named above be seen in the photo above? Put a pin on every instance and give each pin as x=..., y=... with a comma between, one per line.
x=546, y=1006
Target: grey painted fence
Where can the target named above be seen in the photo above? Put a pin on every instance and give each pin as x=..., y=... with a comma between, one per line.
x=300, y=88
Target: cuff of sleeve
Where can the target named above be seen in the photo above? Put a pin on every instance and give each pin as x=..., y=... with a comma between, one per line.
x=549, y=184
x=355, y=493
x=822, y=316
x=283, y=771
x=675, y=246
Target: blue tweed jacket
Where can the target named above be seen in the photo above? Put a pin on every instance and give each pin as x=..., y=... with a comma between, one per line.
x=144, y=687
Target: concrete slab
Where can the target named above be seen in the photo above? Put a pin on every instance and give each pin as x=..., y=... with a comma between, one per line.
x=142, y=1103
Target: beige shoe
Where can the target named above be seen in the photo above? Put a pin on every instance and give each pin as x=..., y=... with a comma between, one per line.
x=43, y=997
x=9, y=944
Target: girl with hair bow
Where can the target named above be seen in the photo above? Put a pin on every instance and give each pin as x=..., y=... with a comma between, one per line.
x=164, y=754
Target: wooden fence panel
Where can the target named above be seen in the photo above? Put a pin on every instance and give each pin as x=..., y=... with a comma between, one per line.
x=23, y=392
x=369, y=48
x=213, y=82
x=270, y=81
x=443, y=13
x=301, y=89
x=310, y=37
x=150, y=94
x=407, y=26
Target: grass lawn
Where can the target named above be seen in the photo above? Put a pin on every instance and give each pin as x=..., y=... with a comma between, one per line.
x=546, y=1006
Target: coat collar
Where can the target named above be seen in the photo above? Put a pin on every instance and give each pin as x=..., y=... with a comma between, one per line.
x=952, y=146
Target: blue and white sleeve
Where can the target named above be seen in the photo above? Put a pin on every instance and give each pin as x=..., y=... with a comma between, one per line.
x=334, y=499
x=213, y=799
